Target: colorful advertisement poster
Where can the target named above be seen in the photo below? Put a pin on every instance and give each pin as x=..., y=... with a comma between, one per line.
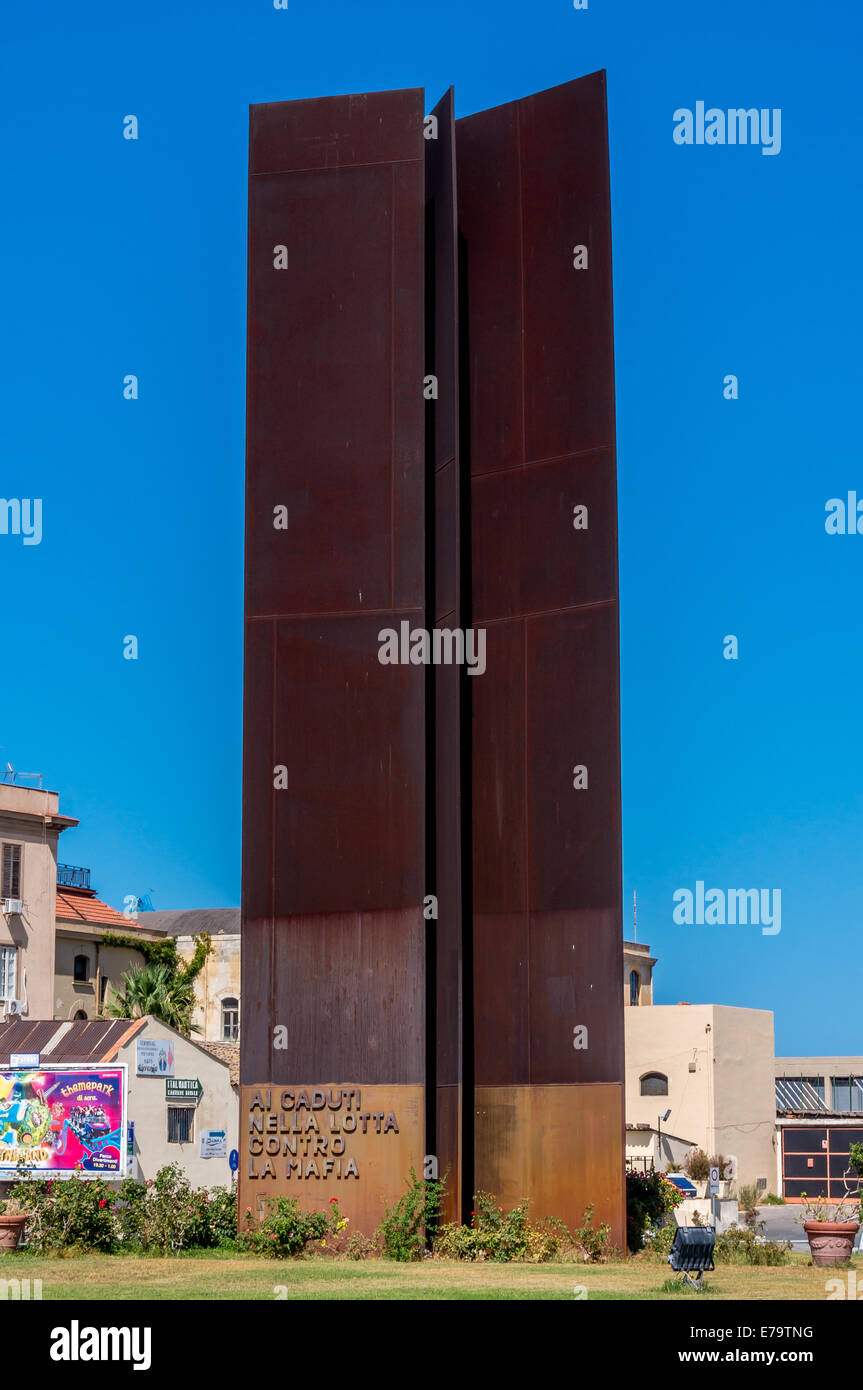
x=63, y=1120
x=154, y=1057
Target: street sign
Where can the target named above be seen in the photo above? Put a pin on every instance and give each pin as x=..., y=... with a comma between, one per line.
x=154, y=1057
x=233, y=1160
x=713, y=1180
x=183, y=1088
x=214, y=1143
x=24, y=1059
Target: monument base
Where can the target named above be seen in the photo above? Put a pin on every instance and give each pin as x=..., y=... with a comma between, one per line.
x=316, y=1141
x=560, y=1146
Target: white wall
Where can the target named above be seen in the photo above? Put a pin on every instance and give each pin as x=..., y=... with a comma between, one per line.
x=218, y=1108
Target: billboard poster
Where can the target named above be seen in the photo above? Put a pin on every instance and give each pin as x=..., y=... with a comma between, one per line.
x=63, y=1120
x=154, y=1057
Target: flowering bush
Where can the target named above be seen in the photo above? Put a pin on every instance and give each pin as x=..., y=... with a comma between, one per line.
x=285, y=1230
x=72, y=1214
x=500, y=1236
x=649, y=1197
x=165, y=1214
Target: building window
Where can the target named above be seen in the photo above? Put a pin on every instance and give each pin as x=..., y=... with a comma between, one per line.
x=181, y=1123
x=82, y=968
x=654, y=1083
x=80, y=1016
x=634, y=986
x=230, y=1020
x=11, y=886
x=8, y=956
x=847, y=1093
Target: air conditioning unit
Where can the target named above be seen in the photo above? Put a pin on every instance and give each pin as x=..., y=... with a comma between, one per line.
x=13, y=906
x=14, y=1008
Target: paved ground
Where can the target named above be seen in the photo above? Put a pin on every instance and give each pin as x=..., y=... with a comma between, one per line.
x=783, y=1223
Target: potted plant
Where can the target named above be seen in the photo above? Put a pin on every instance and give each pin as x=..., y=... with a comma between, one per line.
x=831, y=1227
x=12, y=1218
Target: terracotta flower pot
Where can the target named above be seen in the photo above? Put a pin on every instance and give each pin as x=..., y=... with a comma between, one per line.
x=10, y=1231
x=831, y=1242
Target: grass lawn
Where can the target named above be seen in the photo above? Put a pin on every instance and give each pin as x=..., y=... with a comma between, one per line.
x=229, y=1277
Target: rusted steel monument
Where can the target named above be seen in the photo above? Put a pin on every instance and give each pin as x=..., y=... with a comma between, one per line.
x=432, y=963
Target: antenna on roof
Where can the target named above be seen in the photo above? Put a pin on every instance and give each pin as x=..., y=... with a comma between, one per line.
x=10, y=776
x=634, y=917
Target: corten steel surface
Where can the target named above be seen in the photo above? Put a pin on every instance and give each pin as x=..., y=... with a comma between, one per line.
x=297, y=1155
x=404, y=781
x=444, y=518
x=533, y=185
x=333, y=864
x=563, y=1146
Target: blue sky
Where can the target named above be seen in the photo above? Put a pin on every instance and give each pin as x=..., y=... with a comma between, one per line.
x=124, y=257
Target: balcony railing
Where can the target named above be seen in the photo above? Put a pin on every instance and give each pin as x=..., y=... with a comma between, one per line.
x=71, y=876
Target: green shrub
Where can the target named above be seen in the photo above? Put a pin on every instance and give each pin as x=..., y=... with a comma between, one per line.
x=697, y=1165
x=171, y=1214
x=741, y=1246
x=72, y=1213
x=222, y=1216
x=649, y=1197
x=414, y=1220
x=500, y=1236
x=747, y=1201
x=131, y=1196
x=166, y=1214
x=285, y=1230
x=592, y=1240
x=658, y=1239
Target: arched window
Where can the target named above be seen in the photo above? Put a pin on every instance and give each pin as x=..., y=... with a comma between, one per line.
x=80, y=1016
x=654, y=1083
x=230, y=1020
x=82, y=968
x=634, y=986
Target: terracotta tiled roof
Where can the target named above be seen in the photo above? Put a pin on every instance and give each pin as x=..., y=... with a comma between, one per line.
x=226, y=1052
x=79, y=907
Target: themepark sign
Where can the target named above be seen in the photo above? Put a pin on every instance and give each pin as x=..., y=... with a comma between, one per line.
x=63, y=1120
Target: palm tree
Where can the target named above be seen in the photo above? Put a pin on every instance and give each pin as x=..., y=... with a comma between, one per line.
x=158, y=990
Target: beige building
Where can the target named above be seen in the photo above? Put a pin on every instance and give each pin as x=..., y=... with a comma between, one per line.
x=711, y=1067
x=30, y=826
x=638, y=966
x=87, y=973
x=217, y=987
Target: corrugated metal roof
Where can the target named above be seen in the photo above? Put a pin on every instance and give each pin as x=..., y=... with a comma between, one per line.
x=94, y=1040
